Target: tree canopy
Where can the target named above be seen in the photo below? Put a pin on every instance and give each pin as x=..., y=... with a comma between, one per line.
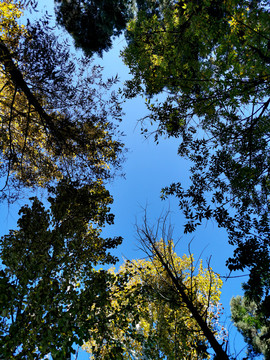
x=93, y=24
x=210, y=61
x=250, y=320
x=59, y=132
x=51, y=294
x=56, y=118
x=147, y=320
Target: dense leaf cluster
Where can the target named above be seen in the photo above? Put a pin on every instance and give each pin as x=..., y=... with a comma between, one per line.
x=148, y=319
x=93, y=24
x=55, y=119
x=253, y=325
x=51, y=294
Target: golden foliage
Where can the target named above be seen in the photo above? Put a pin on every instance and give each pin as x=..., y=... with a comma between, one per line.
x=157, y=322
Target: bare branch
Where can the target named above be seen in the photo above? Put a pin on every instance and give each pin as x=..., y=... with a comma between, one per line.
x=148, y=237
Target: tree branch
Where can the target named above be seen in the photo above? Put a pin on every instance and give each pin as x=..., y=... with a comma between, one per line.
x=19, y=82
x=149, y=242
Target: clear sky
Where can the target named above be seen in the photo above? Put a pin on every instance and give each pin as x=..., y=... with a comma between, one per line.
x=148, y=168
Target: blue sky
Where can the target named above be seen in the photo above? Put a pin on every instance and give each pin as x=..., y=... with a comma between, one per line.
x=148, y=168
